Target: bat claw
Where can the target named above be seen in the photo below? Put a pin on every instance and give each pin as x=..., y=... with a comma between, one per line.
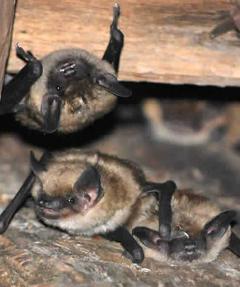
x=2, y=227
x=26, y=56
x=116, y=15
x=34, y=64
x=136, y=256
x=116, y=11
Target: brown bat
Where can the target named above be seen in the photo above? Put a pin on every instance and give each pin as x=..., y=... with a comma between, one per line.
x=197, y=231
x=89, y=193
x=68, y=89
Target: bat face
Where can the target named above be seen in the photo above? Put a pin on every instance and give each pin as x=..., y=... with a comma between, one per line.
x=74, y=89
x=68, y=89
x=84, y=193
x=79, y=198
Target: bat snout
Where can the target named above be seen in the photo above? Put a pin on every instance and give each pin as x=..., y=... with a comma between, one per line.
x=51, y=207
x=186, y=250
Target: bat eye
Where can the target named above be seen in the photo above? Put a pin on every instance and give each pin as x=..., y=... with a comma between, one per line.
x=71, y=200
x=59, y=89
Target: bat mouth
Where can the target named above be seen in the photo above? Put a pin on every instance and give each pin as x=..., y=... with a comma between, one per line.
x=50, y=213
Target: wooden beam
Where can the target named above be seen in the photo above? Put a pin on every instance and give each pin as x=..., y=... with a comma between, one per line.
x=165, y=40
x=6, y=22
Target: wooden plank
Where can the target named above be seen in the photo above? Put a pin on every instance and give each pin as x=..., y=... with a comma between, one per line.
x=6, y=21
x=166, y=40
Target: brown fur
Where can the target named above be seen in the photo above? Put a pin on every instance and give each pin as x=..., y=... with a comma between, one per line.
x=179, y=127
x=82, y=104
x=190, y=213
x=123, y=202
x=120, y=182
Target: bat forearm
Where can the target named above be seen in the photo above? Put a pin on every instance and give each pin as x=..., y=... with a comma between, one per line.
x=20, y=85
x=122, y=235
x=19, y=199
x=16, y=203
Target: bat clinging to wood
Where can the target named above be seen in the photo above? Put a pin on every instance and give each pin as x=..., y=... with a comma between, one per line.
x=89, y=193
x=85, y=193
x=68, y=89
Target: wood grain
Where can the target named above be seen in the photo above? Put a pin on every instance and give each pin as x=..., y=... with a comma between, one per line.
x=6, y=22
x=165, y=40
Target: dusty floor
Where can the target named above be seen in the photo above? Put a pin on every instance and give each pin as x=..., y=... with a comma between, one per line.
x=34, y=255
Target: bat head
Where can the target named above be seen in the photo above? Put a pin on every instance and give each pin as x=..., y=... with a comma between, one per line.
x=60, y=192
x=75, y=89
x=84, y=192
x=205, y=247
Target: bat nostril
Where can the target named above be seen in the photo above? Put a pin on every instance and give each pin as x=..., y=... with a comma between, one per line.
x=41, y=203
x=190, y=246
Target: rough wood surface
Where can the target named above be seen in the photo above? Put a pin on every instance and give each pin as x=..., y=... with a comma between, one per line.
x=6, y=22
x=166, y=40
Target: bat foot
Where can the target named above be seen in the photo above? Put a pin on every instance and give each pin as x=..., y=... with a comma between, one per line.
x=165, y=231
x=3, y=227
x=116, y=11
x=26, y=56
x=34, y=64
x=136, y=255
x=115, y=32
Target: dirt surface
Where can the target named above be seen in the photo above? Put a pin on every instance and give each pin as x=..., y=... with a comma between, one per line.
x=34, y=255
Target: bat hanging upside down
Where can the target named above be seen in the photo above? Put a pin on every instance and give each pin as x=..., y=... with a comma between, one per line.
x=90, y=193
x=68, y=89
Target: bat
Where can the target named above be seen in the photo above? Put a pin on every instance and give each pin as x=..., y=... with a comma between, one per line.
x=68, y=89
x=174, y=123
x=88, y=193
x=85, y=193
x=191, y=229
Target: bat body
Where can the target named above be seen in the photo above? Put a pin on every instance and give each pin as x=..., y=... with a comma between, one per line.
x=90, y=193
x=192, y=238
x=174, y=123
x=68, y=89
x=77, y=97
x=86, y=193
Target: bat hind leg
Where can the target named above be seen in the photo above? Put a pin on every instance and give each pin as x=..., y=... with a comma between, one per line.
x=17, y=88
x=20, y=198
x=164, y=191
x=234, y=244
x=132, y=249
x=114, y=48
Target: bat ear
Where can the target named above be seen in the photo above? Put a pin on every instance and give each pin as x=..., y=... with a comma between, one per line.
x=36, y=166
x=111, y=84
x=89, y=181
x=51, y=111
x=217, y=227
x=148, y=237
x=234, y=244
